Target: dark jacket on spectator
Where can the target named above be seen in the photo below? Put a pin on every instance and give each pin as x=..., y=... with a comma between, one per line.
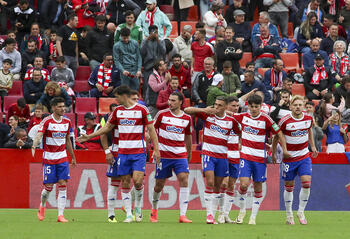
x=200, y=87
x=48, y=14
x=99, y=43
x=26, y=17
x=324, y=84
x=227, y=52
x=229, y=12
x=117, y=9
x=28, y=58
x=275, y=50
x=4, y=131
x=11, y=143
x=267, y=79
x=327, y=44
x=36, y=88
x=308, y=58
x=246, y=88
x=339, y=92
x=115, y=77
x=152, y=51
x=316, y=32
x=44, y=48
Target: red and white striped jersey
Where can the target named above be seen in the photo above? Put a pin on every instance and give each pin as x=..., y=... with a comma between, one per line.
x=171, y=133
x=233, y=154
x=255, y=132
x=54, y=139
x=130, y=124
x=216, y=132
x=296, y=132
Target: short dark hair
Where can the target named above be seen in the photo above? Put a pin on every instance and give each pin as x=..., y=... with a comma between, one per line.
x=232, y=98
x=125, y=32
x=177, y=55
x=60, y=59
x=32, y=40
x=310, y=103
x=157, y=64
x=254, y=99
x=71, y=17
x=251, y=63
x=122, y=90
x=199, y=25
x=179, y=95
x=21, y=102
x=283, y=91
x=329, y=16
x=230, y=27
x=287, y=79
x=174, y=78
x=56, y=100
x=53, y=31
x=251, y=73
x=152, y=28
x=134, y=92
x=112, y=105
x=7, y=60
x=128, y=13
x=9, y=41
x=107, y=54
x=36, y=69
x=100, y=18
x=227, y=64
x=202, y=32
x=222, y=98
x=346, y=79
x=22, y=2
x=38, y=56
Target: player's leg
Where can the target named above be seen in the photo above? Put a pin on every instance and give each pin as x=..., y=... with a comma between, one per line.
x=229, y=199
x=220, y=171
x=208, y=172
x=62, y=172
x=245, y=172
x=288, y=175
x=112, y=198
x=222, y=200
x=157, y=191
x=216, y=195
x=305, y=170
x=49, y=178
x=138, y=169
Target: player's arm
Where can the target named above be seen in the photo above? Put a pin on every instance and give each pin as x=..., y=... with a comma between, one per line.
x=274, y=148
x=36, y=142
x=104, y=143
x=153, y=135
x=188, y=142
x=312, y=143
x=69, y=147
x=104, y=130
x=283, y=144
x=194, y=110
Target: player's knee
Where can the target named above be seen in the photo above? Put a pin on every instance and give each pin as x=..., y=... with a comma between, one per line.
x=224, y=185
x=115, y=183
x=289, y=188
x=62, y=187
x=258, y=194
x=242, y=189
x=223, y=189
x=48, y=188
x=306, y=184
x=138, y=185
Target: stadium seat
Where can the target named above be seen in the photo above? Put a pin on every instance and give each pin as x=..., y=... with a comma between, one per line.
x=16, y=89
x=262, y=71
x=83, y=105
x=72, y=118
x=175, y=31
x=247, y=57
x=298, y=89
x=193, y=14
x=168, y=10
x=290, y=30
x=191, y=23
x=103, y=105
x=80, y=119
x=80, y=86
x=83, y=73
x=290, y=61
x=9, y=100
x=187, y=102
x=316, y=102
x=200, y=137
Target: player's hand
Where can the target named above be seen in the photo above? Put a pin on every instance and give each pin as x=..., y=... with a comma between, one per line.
x=210, y=110
x=314, y=152
x=74, y=162
x=83, y=138
x=110, y=159
x=286, y=154
x=274, y=159
x=156, y=156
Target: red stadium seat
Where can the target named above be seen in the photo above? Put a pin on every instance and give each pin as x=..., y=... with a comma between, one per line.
x=290, y=61
x=83, y=105
x=175, y=31
x=16, y=89
x=247, y=57
x=80, y=119
x=168, y=10
x=298, y=89
x=187, y=102
x=193, y=14
x=316, y=102
x=9, y=100
x=103, y=105
x=80, y=86
x=72, y=118
x=191, y=23
x=83, y=73
x=262, y=71
x=290, y=30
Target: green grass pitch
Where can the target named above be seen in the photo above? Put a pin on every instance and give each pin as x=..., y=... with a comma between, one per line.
x=86, y=224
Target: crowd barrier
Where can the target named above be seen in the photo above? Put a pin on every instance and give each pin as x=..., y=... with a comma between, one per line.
x=21, y=177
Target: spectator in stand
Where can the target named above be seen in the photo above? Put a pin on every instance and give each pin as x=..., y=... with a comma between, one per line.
x=170, y=51
x=89, y=127
x=308, y=58
x=24, y=16
x=266, y=48
x=153, y=16
x=104, y=78
x=328, y=21
x=336, y=133
x=339, y=60
x=343, y=91
x=5, y=13
x=104, y=120
x=278, y=111
x=327, y=44
x=10, y=52
x=219, y=34
x=273, y=78
x=33, y=89
x=41, y=43
x=83, y=49
x=67, y=42
x=52, y=13
x=21, y=110
x=316, y=129
x=29, y=54
x=52, y=48
x=6, y=78
x=127, y=58
x=214, y=18
x=287, y=84
x=38, y=64
x=200, y=51
x=163, y=97
x=83, y=12
x=199, y=26
x=279, y=14
x=158, y=81
x=135, y=30
x=310, y=6
x=183, y=75
x=11, y=33
x=116, y=10
x=237, y=5
x=331, y=7
x=326, y=106
x=152, y=49
x=4, y=132
x=264, y=19
x=242, y=30
x=310, y=29
x=183, y=44
x=318, y=80
x=99, y=41
x=232, y=83
x=344, y=16
x=52, y=89
x=202, y=82
x=61, y=73
x=37, y=117
x=13, y=124
x=19, y=140
x=229, y=50
x=215, y=90
x=250, y=84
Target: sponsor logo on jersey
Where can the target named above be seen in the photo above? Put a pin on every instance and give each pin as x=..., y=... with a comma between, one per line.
x=299, y=133
x=174, y=129
x=218, y=129
x=250, y=130
x=127, y=122
x=58, y=135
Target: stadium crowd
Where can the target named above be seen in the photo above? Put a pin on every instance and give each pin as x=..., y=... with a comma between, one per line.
x=83, y=49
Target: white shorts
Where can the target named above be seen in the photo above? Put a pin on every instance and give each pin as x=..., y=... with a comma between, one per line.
x=335, y=148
